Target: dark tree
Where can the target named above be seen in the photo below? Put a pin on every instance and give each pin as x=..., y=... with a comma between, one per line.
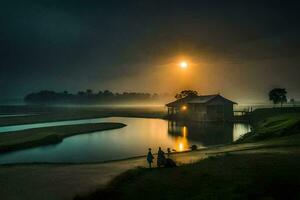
x=107, y=93
x=278, y=95
x=80, y=93
x=186, y=93
x=292, y=101
x=100, y=93
x=89, y=92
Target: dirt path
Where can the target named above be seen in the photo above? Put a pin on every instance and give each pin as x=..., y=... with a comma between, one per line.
x=63, y=182
x=53, y=181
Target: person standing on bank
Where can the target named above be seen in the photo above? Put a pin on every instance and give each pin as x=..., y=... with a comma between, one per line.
x=150, y=158
x=161, y=159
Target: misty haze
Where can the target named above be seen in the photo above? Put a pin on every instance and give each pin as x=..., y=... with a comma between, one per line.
x=155, y=99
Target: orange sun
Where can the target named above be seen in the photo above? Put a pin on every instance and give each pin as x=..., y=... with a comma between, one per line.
x=183, y=64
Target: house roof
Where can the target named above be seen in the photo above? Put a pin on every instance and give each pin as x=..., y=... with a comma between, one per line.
x=202, y=99
x=197, y=99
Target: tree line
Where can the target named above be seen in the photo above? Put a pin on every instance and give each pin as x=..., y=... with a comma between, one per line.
x=276, y=95
x=88, y=97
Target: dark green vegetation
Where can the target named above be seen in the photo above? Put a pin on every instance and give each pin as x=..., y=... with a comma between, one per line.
x=89, y=97
x=50, y=114
x=186, y=93
x=273, y=122
x=263, y=113
x=233, y=176
x=49, y=135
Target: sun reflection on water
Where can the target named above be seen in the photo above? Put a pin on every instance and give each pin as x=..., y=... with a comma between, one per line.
x=182, y=141
x=180, y=147
x=184, y=131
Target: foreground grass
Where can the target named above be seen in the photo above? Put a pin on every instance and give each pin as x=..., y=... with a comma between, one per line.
x=247, y=176
x=48, y=135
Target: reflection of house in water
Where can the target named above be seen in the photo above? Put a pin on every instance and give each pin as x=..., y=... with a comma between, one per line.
x=202, y=108
x=181, y=139
x=209, y=133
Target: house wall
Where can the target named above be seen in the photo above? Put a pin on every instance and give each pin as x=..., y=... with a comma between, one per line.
x=215, y=112
x=229, y=112
x=210, y=112
x=197, y=112
x=220, y=103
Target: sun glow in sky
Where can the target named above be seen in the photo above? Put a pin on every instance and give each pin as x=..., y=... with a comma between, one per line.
x=183, y=64
x=190, y=57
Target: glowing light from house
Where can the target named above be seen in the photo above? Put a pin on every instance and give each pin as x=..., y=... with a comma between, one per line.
x=184, y=108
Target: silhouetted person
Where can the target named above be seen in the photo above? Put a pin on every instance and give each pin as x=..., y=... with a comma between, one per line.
x=150, y=158
x=161, y=159
x=168, y=152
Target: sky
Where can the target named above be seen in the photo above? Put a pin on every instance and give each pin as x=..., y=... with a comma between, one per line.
x=240, y=49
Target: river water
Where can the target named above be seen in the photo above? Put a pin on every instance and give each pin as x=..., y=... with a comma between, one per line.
x=132, y=140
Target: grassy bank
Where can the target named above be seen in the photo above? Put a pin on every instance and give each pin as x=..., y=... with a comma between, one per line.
x=264, y=113
x=233, y=176
x=270, y=123
x=49, y=135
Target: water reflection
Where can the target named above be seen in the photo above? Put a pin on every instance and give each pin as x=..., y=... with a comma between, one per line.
x=207, y=133
x=181, y=140
x=240, y=129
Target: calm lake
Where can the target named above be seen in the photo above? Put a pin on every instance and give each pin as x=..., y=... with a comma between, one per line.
x=132, y=140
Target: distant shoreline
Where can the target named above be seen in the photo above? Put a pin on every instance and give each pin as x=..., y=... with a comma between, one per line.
x=55, y=114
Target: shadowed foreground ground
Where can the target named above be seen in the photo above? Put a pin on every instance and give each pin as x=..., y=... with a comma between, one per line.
x=251, y=175
x=60, y=181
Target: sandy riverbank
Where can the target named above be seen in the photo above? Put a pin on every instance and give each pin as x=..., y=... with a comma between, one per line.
x=17, y=140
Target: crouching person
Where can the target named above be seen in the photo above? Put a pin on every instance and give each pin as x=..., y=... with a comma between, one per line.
x=161, y=159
